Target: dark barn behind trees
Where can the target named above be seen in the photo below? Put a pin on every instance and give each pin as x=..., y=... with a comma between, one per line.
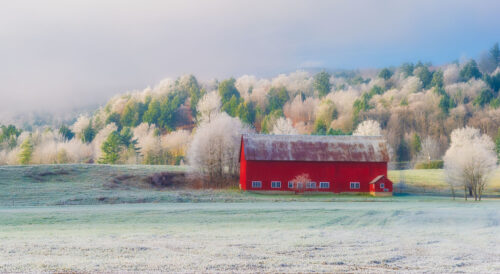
x=333, y=163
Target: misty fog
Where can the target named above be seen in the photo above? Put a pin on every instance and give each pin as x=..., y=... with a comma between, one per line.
x=61, y=57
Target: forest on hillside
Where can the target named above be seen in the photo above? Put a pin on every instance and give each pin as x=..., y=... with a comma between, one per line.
x=417, y=106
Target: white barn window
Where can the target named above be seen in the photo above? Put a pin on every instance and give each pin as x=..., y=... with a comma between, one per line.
x=324, y=185
x=256, y=184
x=275, y=184
x=355, y=185
x=382, y=185
x=311, y=185
x=290, y=184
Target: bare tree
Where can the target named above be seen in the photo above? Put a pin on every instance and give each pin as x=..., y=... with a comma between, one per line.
x=470, y=161
x=430, y=150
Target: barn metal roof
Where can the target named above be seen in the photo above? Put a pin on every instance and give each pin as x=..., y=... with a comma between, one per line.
x=310, y=148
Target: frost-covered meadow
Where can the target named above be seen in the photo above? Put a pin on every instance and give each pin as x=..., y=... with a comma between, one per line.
x=78, y=218
x=406, y=234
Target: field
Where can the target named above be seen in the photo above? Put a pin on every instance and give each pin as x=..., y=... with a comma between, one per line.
x=69, y=219
x=433, y=182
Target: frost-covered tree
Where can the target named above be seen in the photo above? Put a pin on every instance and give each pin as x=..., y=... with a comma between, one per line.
x=176, y=143
x=214, y=151
x=429, y=150
x=83, y=129
x=300, y=181
x=149, y=144
x=469, y=161
x=368, y=128
x=283, y=126
x=209, y=106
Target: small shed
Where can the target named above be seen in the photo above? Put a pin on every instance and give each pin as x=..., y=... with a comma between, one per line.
x=338, y=164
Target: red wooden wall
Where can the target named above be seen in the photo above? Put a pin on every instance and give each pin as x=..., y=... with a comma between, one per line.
x=339, y=174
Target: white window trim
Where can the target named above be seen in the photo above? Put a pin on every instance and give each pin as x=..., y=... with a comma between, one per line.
x=255, y=182
x=382, y=185
x=353, y=185
x=278, y=182
x=311, y=185
x=290, y=184
x=327, y=185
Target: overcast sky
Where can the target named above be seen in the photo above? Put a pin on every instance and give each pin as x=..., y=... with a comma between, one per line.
x=59, y=54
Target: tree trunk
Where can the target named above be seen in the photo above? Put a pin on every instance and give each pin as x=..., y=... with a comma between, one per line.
x=474, y=188
x=465, y=192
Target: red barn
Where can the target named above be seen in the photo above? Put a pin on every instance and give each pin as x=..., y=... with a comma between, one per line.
x=336, y=164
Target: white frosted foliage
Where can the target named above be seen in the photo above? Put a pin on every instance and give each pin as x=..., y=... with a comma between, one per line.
x=214, y=149
x=209, y=106
x=470, y=160
x=283, y=126
x=368, y=128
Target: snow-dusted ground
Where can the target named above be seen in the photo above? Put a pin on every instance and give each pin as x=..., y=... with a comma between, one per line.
x=437, y=235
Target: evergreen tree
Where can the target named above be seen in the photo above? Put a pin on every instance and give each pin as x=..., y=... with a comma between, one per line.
x=114, y=118
x=246, y=112
x=110, y=149
x=26, y=151
x=493, y=81
x=385, y=74
x=402, y=151
x=8, y=135
x=195, y=93
x=320, y=127
x=127, y=138
x=483, y=98
x=416, y=144
x=153, y=112
x=424, y=75
x=66, y=132
x=168, y=109
x=495, y=55
x=437, y=79
x=231, y=106
x=276, y=99
x=469, y=71
x=407, y=69
x=227, y=90
x=88, y=134
x=322, y=83
x=130, y=116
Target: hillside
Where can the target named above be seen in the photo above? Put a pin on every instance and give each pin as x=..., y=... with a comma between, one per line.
x=416, y=105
